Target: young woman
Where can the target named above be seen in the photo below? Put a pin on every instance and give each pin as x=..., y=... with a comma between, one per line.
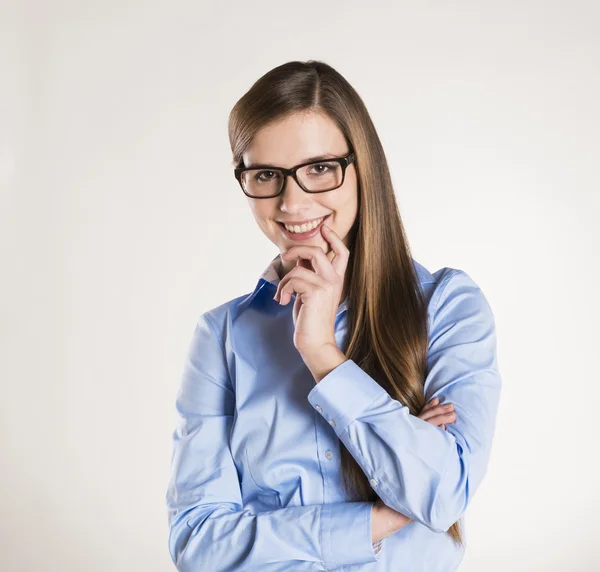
x=341, y=414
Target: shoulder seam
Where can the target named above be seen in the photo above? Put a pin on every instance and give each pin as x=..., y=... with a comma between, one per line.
x=213, y=327
x=443, y=286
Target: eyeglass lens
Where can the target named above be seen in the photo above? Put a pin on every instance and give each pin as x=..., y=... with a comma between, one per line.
x=322, y=176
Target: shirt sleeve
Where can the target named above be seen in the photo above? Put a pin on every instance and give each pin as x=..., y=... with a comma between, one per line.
x=208, y=527
x=424, y=472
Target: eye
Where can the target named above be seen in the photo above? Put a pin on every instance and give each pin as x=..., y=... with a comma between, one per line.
x=264, y=176
x=320, y=168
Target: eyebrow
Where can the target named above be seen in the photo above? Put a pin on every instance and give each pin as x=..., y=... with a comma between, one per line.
x=307, y=160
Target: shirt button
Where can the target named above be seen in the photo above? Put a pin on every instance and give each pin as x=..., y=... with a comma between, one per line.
x=332, y=422
x=328, y=454
x=373, y=482
x=319, y=408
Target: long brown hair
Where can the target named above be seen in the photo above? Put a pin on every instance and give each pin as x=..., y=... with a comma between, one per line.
x=387, y=329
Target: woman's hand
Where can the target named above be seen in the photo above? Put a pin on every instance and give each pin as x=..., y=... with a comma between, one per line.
x=385, y=521
x=438, y=414
x=318, y=284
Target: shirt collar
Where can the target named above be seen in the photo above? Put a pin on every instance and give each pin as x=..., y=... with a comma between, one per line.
x=272, y=275
x=270, y=278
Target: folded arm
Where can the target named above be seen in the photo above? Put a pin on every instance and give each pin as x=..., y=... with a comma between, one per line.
x=416, y=468
x=209, y=530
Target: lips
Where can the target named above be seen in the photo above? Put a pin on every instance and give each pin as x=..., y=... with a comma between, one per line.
x=303, y=222
x=303, y=235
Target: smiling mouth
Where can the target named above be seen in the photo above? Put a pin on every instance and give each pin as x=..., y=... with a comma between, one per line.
x=304, y=228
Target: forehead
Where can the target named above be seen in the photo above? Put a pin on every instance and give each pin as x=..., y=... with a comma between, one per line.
x=294, y=139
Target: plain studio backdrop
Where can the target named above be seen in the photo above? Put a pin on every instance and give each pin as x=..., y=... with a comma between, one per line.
x=121, y=222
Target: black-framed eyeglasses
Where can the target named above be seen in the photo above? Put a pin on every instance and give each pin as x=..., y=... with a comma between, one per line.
x=266, y=181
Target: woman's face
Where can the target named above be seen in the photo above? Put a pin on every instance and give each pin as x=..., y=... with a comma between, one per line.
x=286, y=143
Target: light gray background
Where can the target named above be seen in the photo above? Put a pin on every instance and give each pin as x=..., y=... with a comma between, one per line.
x=121, y=222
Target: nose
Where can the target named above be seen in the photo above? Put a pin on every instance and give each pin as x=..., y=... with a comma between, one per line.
x=293, y=197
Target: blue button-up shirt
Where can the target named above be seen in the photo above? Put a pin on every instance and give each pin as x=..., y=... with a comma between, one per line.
x=255, y=472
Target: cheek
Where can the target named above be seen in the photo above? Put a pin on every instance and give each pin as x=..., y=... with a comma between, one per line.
x=353, y=202
x=346, y=207
x=260, y=211
x=265, y=219
x=351, y=197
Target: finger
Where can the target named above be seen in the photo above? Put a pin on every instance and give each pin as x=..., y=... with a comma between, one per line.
x=312, y=257
x=297, y=285
x=298, y=271
x=305, y=264
x=436, y=410
x=293, y=272
x=342, y=254
x=431, y=403
x=440, y=409
x=445, y=418
x=425, y=415
x=443, y=426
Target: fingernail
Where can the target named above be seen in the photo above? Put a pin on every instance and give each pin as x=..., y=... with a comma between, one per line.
x=435, y=400
x=325, y=227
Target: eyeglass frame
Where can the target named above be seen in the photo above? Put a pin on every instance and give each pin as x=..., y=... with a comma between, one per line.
x=344, y=162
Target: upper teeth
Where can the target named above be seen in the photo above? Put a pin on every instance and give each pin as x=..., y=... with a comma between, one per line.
x=304, y=227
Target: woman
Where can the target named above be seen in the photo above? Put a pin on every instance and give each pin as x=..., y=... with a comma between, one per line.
x=342, y=413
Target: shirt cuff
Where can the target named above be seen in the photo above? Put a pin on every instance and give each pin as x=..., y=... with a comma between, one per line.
x=346, y=534
x=344, y=393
